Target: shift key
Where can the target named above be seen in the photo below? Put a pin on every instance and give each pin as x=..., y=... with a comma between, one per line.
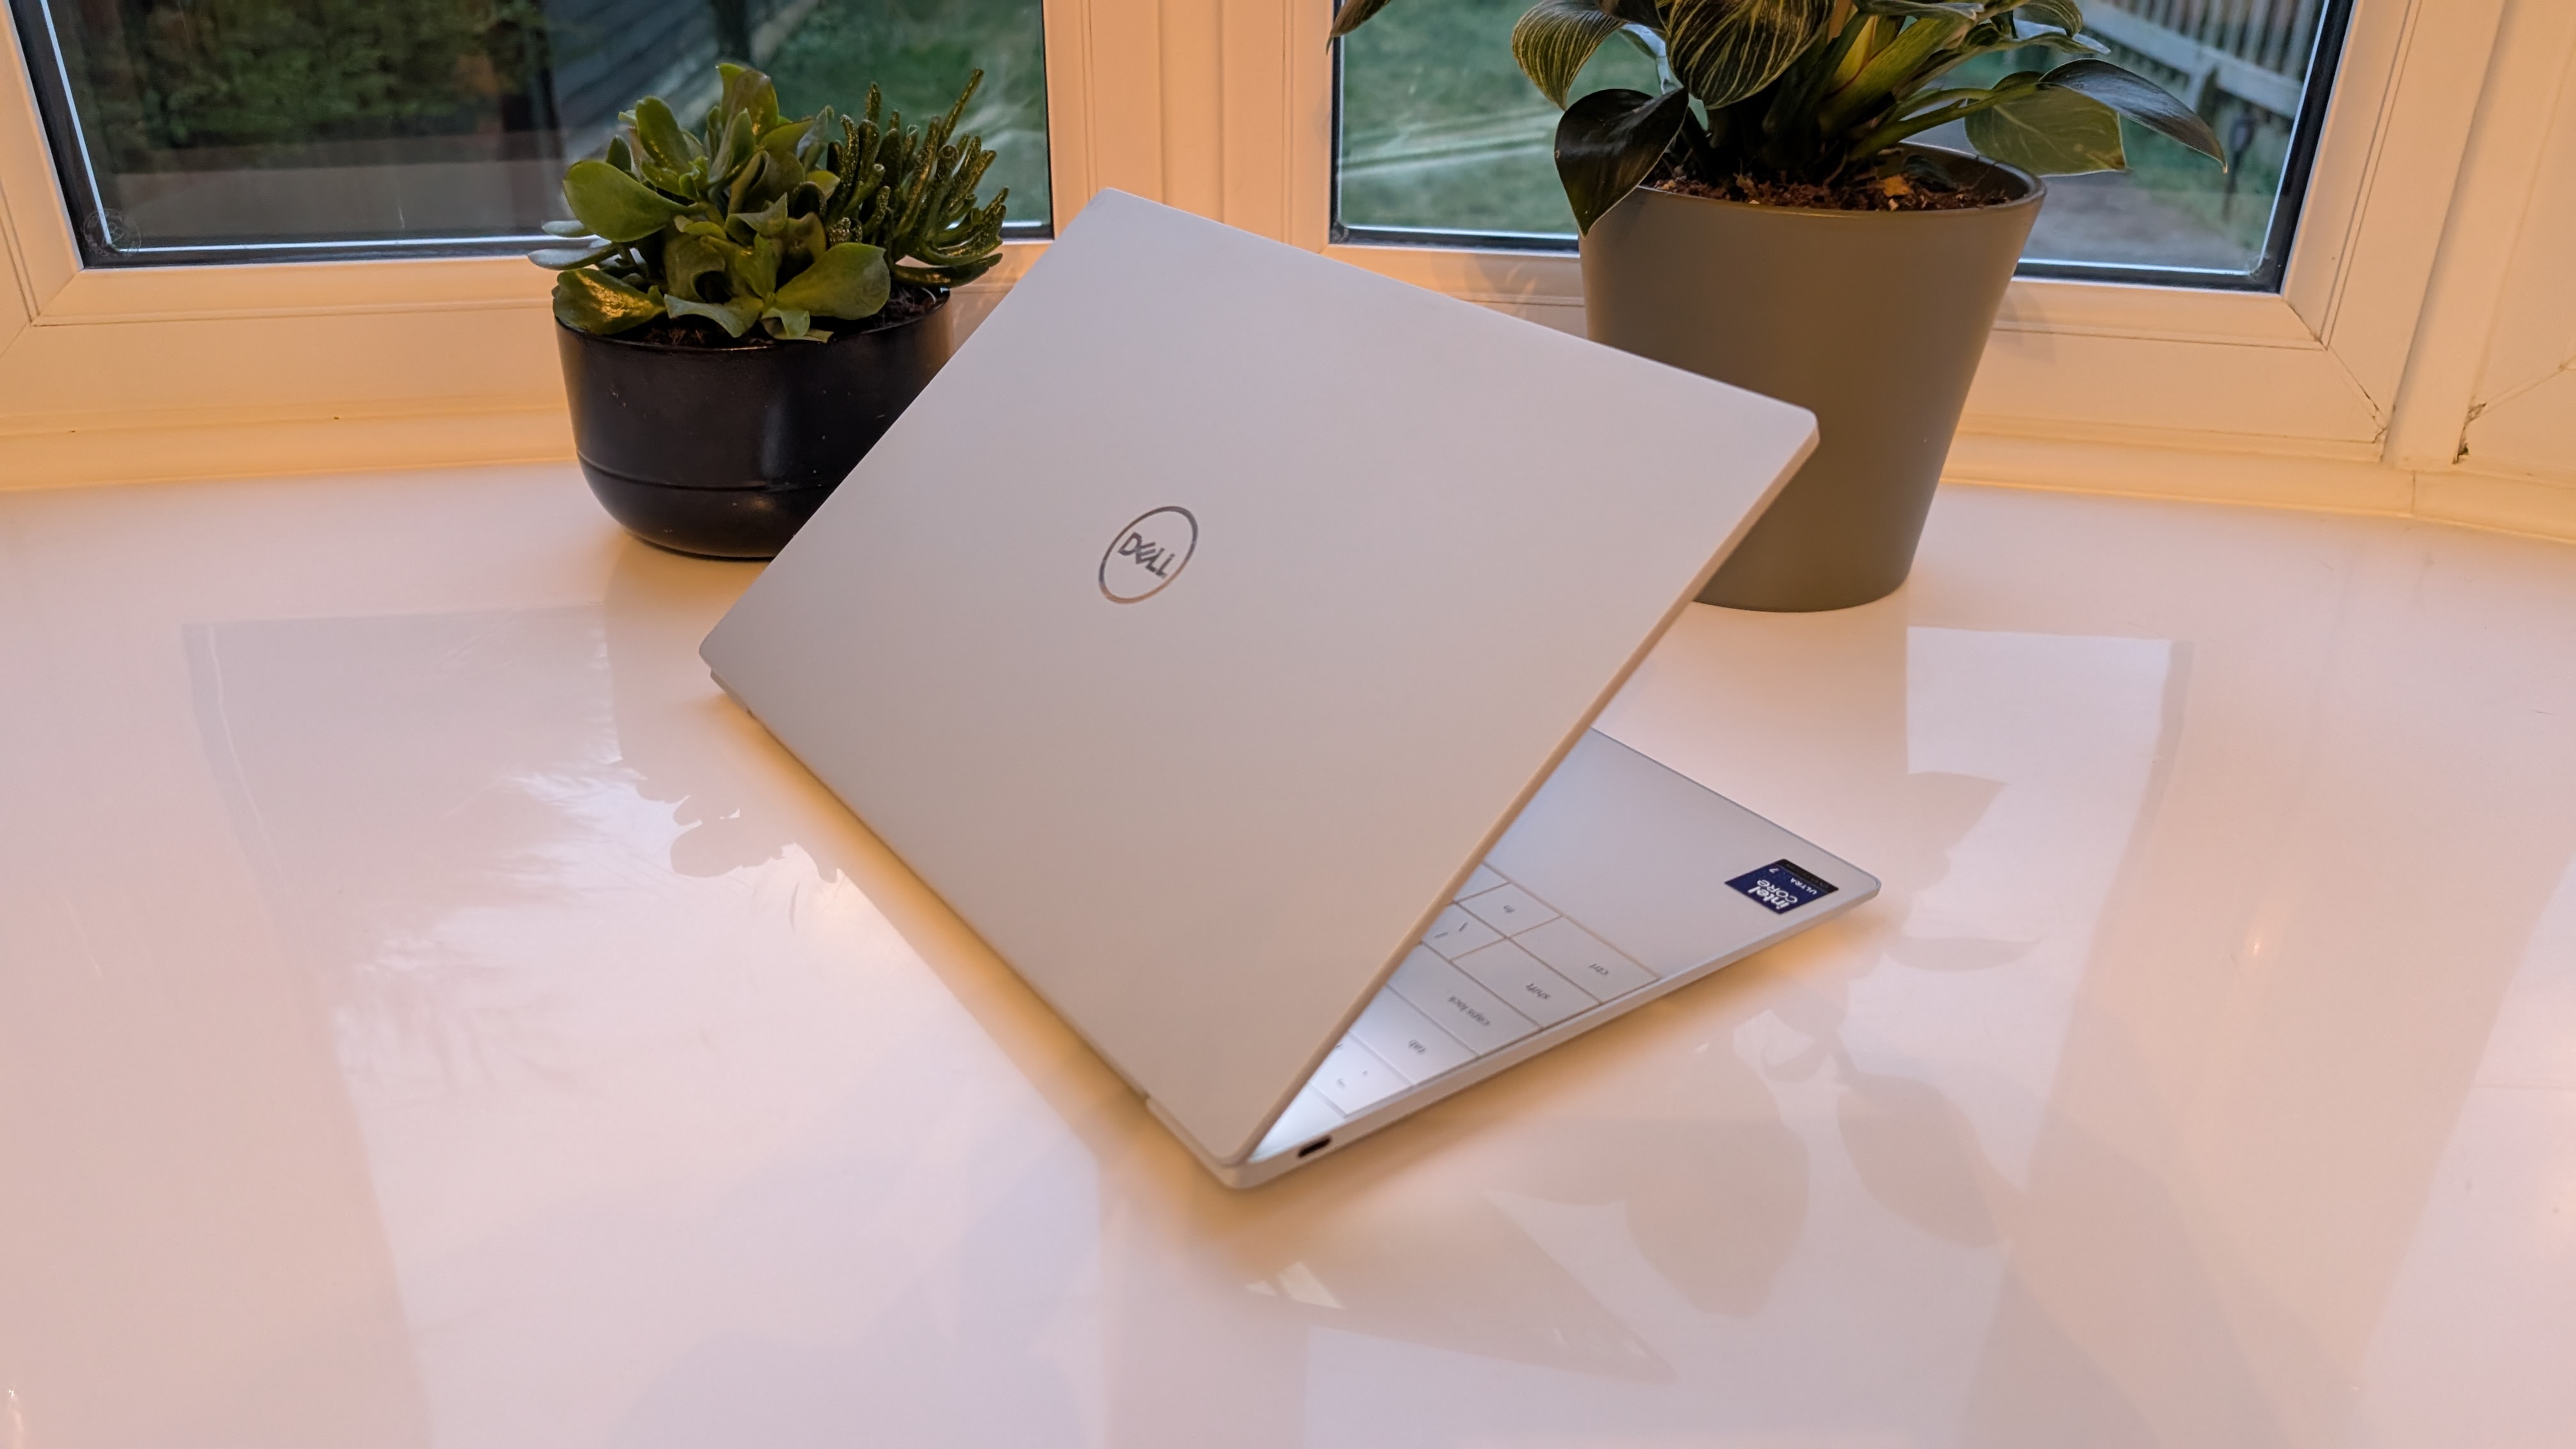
x=1468, y=1011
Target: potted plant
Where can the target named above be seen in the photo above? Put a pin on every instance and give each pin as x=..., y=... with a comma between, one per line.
x=1767, y=220
x=713, y=407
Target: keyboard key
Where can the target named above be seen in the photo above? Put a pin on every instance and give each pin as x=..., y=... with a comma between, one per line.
x=1455, y=933
x=1410, y=1043
x=1354, y=1080
x=1524, y=980
x=1508, y=909
x=1583, y=958
x=1485, y=879
x=1459, y=1006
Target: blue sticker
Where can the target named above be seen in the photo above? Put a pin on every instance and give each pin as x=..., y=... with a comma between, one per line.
x=1781, y=886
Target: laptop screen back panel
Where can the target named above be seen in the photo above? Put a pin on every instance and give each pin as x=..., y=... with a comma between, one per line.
x=1213, y=610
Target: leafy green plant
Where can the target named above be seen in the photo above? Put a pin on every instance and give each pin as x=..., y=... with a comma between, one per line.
x=1823, y=93
x=760, y=221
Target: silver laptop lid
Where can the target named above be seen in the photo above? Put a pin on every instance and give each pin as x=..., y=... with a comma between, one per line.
x=1213, y=611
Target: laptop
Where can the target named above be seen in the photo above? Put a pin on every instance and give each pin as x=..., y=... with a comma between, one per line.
x=1219, y=635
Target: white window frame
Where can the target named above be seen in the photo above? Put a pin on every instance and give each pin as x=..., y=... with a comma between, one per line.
x=1224, y=107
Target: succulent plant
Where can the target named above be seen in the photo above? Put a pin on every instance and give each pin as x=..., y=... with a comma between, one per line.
x=912, y=193
x=761, y=221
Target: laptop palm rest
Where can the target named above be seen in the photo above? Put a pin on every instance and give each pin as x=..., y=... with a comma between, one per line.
x=1620, y=882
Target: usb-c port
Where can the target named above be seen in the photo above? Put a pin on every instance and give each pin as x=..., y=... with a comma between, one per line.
x=1311, y=1148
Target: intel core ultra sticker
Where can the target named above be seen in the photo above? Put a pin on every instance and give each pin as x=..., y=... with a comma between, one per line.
x=1781, y=886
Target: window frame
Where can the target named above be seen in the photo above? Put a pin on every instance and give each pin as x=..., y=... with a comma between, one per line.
x=2280, y=396
x=1224, y=107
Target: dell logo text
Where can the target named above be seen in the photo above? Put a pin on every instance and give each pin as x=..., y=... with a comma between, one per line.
x=1148, y=554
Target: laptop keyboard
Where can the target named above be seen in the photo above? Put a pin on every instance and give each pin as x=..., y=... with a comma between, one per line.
x=1497, y=965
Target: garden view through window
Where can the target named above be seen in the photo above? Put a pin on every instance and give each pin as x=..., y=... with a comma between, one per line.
x=1443, y=139
x=230, y=130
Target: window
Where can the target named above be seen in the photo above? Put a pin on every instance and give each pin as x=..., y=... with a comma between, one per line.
x=1441, y=140
x=248, y=130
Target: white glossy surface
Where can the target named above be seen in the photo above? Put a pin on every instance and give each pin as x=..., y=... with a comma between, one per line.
x=430, y=1015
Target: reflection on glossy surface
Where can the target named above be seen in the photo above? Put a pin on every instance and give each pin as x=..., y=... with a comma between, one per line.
x=430, y=1014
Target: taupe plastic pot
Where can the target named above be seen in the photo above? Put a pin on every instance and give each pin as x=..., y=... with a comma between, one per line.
x=1873, y=320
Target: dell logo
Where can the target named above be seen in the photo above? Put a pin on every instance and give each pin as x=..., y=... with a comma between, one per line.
x=1148, y=554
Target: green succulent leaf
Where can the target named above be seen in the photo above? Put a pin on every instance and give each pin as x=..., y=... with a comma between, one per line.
x=2050, y=131
x=613, y=204
x=619, y=156
x=792, y=323
x=747, y=92
x=1725, y=50
x=735, y=317
x=559, y=258
x=1352, y=15
x=2139, y=99
x=850, y=281
x=1608, y=141
x=598, y=303
x=804, y=242
x=1554, y=38
x=688, y=258
x=781, y=140
x=566, y=229
x=766, y=220
x=756, y=271
x=2066, y=15
x=736, y=143
x=659, y=133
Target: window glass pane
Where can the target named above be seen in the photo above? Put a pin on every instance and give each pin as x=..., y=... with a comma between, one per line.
x=1442, y=139
x=1441, y=132
x=245, y=129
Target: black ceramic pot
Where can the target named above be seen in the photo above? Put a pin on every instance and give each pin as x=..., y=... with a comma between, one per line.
x=726, y=451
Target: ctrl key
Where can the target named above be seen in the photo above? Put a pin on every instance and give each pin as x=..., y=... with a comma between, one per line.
x=1354, y=1080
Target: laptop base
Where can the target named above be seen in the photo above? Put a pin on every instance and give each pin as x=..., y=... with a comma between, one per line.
x=1621, y=883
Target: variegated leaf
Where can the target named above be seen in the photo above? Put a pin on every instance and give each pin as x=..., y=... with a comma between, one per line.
x=2066, y=15
x=1555, y=38
x=1892, y=71
x=1609, y=141
x=1958, y=9
x=1725, y=50
x=2139, y=99
x=2050, y=132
